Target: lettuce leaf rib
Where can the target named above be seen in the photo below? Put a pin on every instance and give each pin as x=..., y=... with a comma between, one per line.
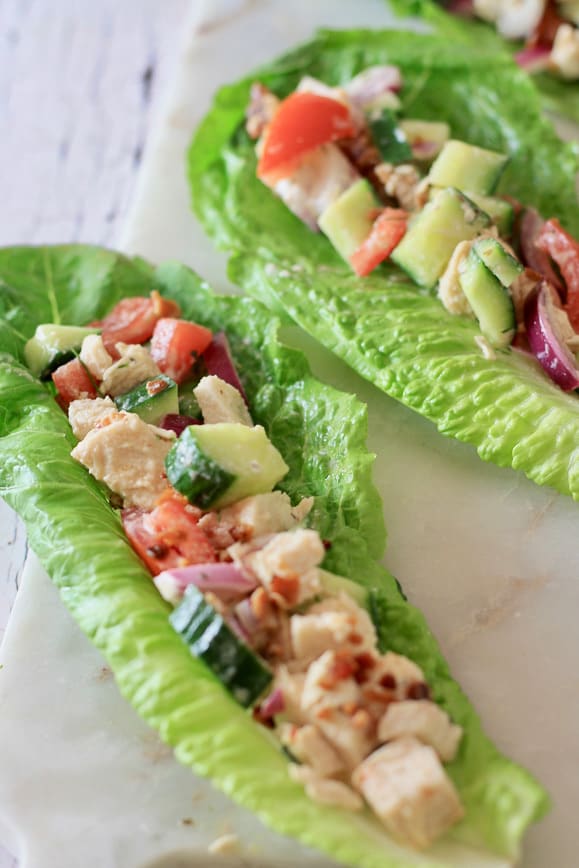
x=392, y=334
x=79, y=539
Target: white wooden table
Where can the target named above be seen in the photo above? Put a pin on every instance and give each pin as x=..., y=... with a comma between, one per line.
x=79, y=83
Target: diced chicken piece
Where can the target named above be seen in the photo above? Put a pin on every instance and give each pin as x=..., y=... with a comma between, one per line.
x=403, y=678
x=329, y=683
x=520, y=290
x=308, y=745
x=488, y=10
x=324, y=791
x=301, y=511
x=360, y=620
x=309, y=84
x=375, y=88
x=518, y=19
x=565, y=51
x=449, y=289
x=134, y=366
x=401, y=182
x=86, y=413
x=262, y=106
x=129, y=456
x=292, y=688
x=352, y=735
x=221, y=402
x=562, y=326
x=287, y=565
x=260, y=515
x=343, y=627
x=406, y=786
x=95, y=356
x=424, y=720
x=319, y=179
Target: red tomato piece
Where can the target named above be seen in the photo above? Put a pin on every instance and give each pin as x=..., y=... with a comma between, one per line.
x=388, y=230
x=133, y=320
x=176, y=344
x=564, y=250
x=72, y=382
x=169, y=536
x=303, y=122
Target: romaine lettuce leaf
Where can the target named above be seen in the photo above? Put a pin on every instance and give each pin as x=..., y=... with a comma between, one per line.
x=392, y=334
x=79, y=539
x=557, y=95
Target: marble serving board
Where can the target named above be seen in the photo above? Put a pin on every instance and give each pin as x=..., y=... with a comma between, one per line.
x=489, y=557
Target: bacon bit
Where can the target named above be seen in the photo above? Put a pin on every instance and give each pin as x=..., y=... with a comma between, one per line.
x=362, y=719
x=364, y=663
x=158, y=550
x=287, y=587
x=418, y=690
x=108, y=420
x=153, y=387
x=327, y=544
x=373, y=694
x=355, y=639
x=268, y=722
x=324, y=713
x=342, y=668
x=363, y=153
x=546, y=29
x=260, y=604
x=388, y=681
x=350, y=708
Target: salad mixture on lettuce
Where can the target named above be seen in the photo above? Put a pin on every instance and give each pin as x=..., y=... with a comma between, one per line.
x=427, y=174
x=380, y=189
x=246, y=648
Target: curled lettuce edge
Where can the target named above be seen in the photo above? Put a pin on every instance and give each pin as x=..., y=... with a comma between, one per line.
x=79, y=540
x=398, y=338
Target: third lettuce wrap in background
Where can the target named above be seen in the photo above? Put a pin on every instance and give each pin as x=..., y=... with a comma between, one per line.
x=391, y=333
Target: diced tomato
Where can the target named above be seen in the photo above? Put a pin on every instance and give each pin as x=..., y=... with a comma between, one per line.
x=303, y=122
x=169, y=536
x=387, y=231
x=133, y=320
x=72, y=382
x=564, y=250
x=176, y=344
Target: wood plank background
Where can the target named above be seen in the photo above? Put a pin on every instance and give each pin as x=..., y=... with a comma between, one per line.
x=79, y=85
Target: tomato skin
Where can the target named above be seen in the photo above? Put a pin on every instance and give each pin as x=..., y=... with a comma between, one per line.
x=564, y=250
x=303, y=122
x=133, y=320
x=176, y=344
x=169, y=536
x=388, y=230
x=72, y=382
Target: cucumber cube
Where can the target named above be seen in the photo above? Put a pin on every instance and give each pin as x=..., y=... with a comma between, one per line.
x=490, y=300
x=467, y=168
x=349, y=219
x=52, y=346
x=151, y=400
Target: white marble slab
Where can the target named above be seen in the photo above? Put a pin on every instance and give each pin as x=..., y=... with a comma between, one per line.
x=489, y=557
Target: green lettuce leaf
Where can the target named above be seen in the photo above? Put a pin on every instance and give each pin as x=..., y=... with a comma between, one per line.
x=557, y=95
x=79, y=539
x=397, y=337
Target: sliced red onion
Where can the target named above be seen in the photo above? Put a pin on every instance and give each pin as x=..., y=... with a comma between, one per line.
x=464, y=8
x=177, y=423
x=538, y=260
x=545, y=339
x=219, y=362
x=534, y=58
x=224, y=580
x=246, y=616
x=272, y=705
x=238, y=629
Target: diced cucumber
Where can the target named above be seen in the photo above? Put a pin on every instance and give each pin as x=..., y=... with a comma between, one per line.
x=425, y=250
x=426, y=138
x=467, y=168
x=498, y=260
x=349, y=219
x=215, y=465
x=389, y=138
x=52, y=346
x=210, y=639
x=490, y=300
x=151, y=400
x=188, y=403
x=500, y=211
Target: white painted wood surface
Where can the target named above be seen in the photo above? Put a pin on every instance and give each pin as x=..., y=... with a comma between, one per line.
x=79, y=82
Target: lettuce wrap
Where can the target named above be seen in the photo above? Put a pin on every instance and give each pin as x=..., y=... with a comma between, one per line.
x=393, y=334
x=557, y=95
x=79, y=539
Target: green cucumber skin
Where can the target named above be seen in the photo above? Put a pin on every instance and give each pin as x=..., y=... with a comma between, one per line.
x=490, y=300
x=150, y=408
x=194, y=474
x=212, y=640
x=44, y=357
x=499, y=261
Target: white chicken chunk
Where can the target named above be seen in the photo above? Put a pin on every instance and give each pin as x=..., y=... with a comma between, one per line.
x=327, y=685
x=518, y=19
x=565, y=51
x=360, y=621
x=424, y=720
x=290, y=557
x=450, y=291
x=338, y=625
x=309, y=746
x=134, y=366
x=406, y=786
x=129, y=456
x=406, y=679
x=319, y=179
x=260, y=514
x=95, y=356
x=221, y=402
x=292, y=688
x=86, y=413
